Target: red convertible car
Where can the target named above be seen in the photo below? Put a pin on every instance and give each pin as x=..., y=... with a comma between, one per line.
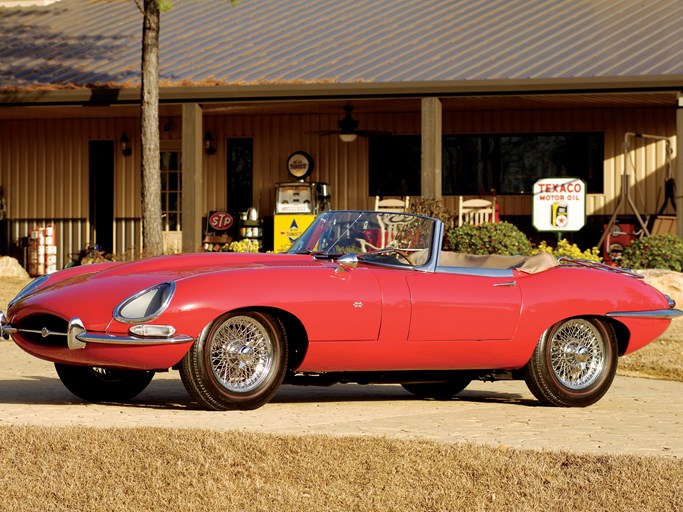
x=363, y=297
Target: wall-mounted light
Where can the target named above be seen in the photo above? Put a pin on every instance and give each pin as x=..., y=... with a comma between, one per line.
x=208, y=144
x=125, y=145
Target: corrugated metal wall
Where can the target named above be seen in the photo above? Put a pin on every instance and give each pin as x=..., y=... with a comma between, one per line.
x=650, y=156
x=344, y=165
x=44, y=163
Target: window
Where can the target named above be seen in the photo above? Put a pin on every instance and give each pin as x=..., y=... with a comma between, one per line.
x=512, y=163
x=171, y=190
x=395, y=165
x=472, y=164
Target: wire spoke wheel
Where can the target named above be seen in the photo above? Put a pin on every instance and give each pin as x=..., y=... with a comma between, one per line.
x=577, y=354
x=574, y=363
x=241, y=354
x=238, y=362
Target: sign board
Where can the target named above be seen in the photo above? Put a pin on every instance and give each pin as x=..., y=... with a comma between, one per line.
x=219, y=221
x=300, y=165
x=559, y=204
x=288, y=228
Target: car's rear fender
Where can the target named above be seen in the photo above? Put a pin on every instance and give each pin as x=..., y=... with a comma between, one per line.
x=562, y=293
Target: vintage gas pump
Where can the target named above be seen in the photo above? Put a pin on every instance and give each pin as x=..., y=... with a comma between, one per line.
x=297, y=203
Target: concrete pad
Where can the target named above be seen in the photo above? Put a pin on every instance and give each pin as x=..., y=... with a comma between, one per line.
x=637, y=416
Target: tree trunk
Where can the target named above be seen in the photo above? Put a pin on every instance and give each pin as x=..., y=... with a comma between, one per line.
x=149, y=132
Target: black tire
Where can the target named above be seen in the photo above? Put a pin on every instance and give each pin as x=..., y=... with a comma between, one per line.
x=238, y=362
x=574, y=363
x=437, y=390
x=95, y=384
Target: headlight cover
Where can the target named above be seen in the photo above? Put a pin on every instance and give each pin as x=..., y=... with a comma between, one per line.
x=29, y=288
x=145, y=305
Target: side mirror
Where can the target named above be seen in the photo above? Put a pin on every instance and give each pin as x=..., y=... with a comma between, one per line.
x=347, y=262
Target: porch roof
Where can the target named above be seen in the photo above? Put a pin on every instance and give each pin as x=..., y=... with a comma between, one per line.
x=79, y=51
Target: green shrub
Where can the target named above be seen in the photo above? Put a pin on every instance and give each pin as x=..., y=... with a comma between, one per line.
x=496, y=238
x=431, y=207
x=662, y=251
x=564, y=248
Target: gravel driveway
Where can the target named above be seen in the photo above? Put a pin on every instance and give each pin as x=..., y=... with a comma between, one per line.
x=637, y=416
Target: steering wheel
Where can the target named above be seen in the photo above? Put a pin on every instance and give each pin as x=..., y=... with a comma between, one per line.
x=399, y=252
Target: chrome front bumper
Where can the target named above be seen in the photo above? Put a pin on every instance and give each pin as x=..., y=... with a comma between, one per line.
x=78, y=337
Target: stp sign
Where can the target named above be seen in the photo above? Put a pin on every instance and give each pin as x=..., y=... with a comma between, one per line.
x=220, y=221
x=559, y=204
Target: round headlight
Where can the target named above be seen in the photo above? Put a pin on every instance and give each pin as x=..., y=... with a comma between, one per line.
x=145, y=305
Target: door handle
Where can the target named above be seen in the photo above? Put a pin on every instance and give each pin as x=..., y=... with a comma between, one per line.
x=507, y=284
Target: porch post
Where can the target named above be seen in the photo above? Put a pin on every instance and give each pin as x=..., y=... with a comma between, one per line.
x=431, y=148
x=679, y=166
x=192, y=208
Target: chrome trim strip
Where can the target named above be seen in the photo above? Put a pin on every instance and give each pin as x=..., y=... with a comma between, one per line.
x=78, y=337
x=599, y=266
x=132, y=340
x=477, y=271
x=655, y=313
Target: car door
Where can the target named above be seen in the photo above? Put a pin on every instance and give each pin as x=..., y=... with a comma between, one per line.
x=339, y=306
x=460, y=307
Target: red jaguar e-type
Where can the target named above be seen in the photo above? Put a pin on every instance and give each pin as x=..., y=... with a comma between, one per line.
x=364, y=297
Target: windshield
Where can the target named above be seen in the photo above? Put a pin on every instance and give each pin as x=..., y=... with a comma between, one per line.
x=380, y=237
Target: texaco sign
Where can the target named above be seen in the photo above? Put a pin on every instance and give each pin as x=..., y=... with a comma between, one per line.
x=559, y=204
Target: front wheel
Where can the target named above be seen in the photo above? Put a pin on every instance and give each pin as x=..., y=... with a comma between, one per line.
x=574, y=363
x=96, y=384
x=238, y=362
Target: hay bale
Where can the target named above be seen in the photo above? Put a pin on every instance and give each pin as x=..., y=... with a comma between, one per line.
x=10, y=267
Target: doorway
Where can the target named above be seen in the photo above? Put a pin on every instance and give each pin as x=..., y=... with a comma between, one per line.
x=240, y=175
x=101, y=172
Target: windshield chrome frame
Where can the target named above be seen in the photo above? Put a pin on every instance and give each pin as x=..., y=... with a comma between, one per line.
x=437, y=236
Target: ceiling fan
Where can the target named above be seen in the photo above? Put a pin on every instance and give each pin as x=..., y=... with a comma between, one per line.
x=348, y=128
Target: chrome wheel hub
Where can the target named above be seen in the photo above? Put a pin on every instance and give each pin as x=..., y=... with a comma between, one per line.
x=241, y=354
x=577, y=354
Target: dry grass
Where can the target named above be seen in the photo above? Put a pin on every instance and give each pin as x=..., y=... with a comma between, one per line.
x=9, y=287
x=662, y=359
x=75, y=469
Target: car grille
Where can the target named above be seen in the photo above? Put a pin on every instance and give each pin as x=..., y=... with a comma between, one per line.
x=46, y=329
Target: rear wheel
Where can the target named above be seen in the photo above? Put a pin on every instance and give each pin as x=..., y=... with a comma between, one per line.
x=238, y=362
x=574, y=363
x=437, y=390
x=96, y=384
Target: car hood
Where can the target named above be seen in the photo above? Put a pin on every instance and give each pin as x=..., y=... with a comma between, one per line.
x=110, y=283
x=182, y=265
x=179, y=266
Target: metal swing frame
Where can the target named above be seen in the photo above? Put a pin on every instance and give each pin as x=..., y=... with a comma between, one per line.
x=625, y=181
